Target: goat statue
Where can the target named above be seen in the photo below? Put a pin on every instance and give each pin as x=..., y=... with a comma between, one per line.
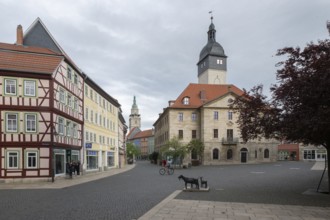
x=187, y=180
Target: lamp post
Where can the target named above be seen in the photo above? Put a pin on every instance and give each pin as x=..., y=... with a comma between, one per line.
x=328, y=26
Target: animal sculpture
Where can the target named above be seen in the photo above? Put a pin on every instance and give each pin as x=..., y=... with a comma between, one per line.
x=187, y=180
x=203, y=182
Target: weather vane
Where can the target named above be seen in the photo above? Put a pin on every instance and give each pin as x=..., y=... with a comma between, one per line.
x=211, y=12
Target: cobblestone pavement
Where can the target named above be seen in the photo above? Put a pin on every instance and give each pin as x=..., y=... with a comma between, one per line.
x=282, y=190
x=176, y=209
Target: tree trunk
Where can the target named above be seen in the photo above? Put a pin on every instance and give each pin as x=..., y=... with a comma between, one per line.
x=328, y=157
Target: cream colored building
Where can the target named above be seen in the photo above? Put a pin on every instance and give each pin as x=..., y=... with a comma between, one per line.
x=101, y=124
x=202, y=112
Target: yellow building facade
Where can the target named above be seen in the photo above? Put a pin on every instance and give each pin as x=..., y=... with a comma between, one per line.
x=101, y=124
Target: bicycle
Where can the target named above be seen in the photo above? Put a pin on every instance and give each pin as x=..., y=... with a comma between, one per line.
x=168, y=170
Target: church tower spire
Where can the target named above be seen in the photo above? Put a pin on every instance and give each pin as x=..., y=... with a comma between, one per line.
x=134, y=117
x=212, y=64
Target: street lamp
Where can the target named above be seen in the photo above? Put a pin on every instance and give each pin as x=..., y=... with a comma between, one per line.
x=328, y=26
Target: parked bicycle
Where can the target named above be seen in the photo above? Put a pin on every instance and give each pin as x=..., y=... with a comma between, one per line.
x=166, y=170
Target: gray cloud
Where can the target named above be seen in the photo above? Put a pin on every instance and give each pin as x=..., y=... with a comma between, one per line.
x=150, y=48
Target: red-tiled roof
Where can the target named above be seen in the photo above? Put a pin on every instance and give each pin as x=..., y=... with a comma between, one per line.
x=144, y=134
x=200, y=94
x=131, y=132
x=28, y=59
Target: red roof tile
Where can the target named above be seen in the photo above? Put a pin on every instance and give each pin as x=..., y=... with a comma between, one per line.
x=28, y=59
x=210, y=92
x=144, y=134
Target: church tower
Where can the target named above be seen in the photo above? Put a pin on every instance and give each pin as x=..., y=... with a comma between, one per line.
x=212, y=64
x=134, y=117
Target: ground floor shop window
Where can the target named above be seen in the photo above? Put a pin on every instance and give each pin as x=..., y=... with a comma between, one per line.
x=319, y=154
x=92, y=160
x=309, y=154
x=110, y=159
x=75, y=156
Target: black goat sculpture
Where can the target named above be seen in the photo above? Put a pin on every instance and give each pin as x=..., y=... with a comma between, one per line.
x=203, y=182
x=187, y=180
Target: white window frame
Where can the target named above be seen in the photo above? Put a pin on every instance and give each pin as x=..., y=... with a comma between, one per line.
x=12, y=85
x=194, y=116
x=230, y=115
x=91, y=137
x=68, y=126
x=86, y=90
x=30, y=90
x=216, y=115
x=75, y=78
x=185, y=101
x=69, y=100
x=86, y=113
x=69, y=73
x=28, y=159
x=27, y=121
x=74, y=130
x=10, y=157
x=86, y=136
x=62, y=95
x=13, y=121
x=75, y=104
x=180, y=116
x=61, y=125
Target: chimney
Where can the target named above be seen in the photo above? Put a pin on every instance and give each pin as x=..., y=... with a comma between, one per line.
x=19, y=35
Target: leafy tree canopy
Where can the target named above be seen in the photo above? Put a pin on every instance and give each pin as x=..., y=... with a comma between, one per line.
x=174, y=149
x=299, y=108
x=131, y=150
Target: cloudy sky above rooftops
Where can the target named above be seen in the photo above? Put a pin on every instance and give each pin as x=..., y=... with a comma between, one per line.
x=149, y=48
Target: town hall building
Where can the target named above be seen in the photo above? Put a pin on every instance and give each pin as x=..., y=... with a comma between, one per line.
x=202, y=111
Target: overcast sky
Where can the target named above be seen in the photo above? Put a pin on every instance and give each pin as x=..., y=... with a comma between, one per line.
x=149, y=48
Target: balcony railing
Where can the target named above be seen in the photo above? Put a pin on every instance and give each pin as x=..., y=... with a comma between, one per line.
x=230, y=141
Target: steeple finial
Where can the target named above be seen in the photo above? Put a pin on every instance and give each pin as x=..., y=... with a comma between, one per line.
x=211, y=12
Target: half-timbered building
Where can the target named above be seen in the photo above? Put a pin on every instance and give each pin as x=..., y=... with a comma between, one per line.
x=41, y=107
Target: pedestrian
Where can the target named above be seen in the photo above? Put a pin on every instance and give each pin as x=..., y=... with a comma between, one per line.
x=78, y=167
x=69, y=169
x=72, y=168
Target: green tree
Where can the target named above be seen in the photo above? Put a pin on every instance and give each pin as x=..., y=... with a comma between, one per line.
x=174, y=149
x=132, y=150
x=299, y=110
x=196, y=146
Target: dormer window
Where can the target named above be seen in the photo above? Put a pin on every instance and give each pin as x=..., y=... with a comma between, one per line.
x=185, y=101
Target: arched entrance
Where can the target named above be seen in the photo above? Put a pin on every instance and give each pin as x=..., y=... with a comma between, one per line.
x=244, y=154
